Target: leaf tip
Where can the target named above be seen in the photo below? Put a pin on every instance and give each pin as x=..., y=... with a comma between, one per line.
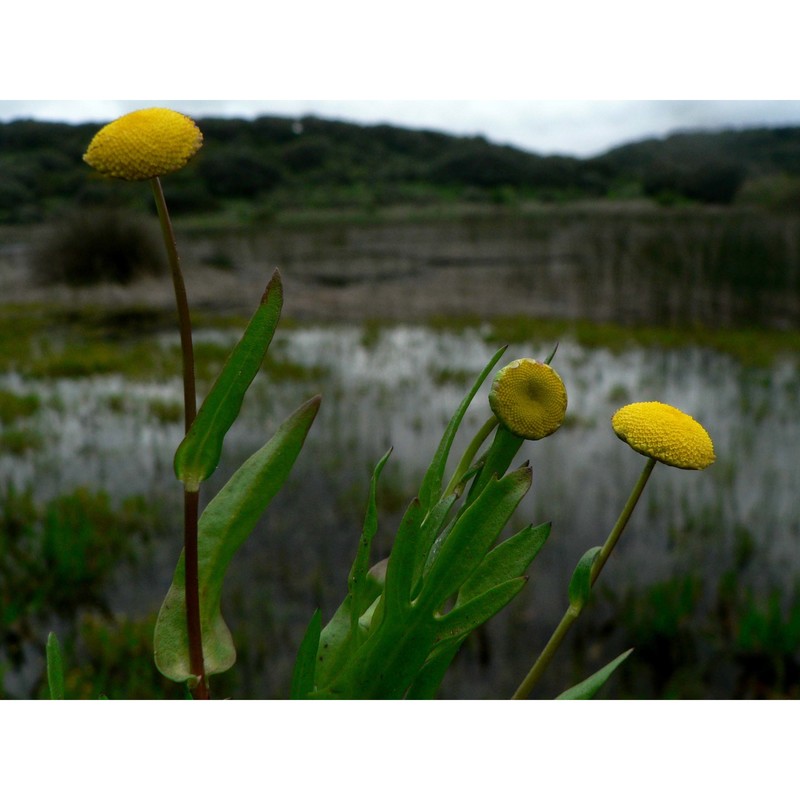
x=275, y=285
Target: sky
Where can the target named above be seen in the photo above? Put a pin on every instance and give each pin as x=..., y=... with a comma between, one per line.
x=568, y=127
x=573, y=78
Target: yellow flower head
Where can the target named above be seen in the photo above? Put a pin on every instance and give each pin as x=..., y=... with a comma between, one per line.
x=529, y=398
x=144, y=144
x=663, y=432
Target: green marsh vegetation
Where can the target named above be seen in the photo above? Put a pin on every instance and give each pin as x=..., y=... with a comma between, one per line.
x=100, y=648
x=127, y=357
x=273, y=167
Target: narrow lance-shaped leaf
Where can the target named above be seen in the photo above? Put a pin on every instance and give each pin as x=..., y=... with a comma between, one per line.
x=55, y=668
x=305, y=666
x=357, y=578
x=198, y=454
x=580, y=585
x=224, y=525
x=400, y=568
x=431, y=488
x=586, y=690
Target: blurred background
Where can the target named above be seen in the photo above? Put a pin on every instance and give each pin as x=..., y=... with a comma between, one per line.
x=657, y=242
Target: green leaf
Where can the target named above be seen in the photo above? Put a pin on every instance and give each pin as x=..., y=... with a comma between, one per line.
x=580, y=585
x=403, y=560
x=508, y=560
x=198, y=454
x=334, y=643
x=306, y=664
x=501, y=452
x=586, y=690
x=431, y=488
x=430, y=677
x=341, y=636
x=55, y=668
x=224, y=525
x=465, y=618
x=472, y=536
x=357, y=578
x=432, y=527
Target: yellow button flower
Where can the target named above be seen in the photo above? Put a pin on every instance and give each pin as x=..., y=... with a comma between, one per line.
x=665, y=433
x=529, y=398
x=144, y=144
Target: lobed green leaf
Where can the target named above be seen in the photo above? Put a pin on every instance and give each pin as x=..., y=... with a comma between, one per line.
x=342, y=635
x=430, y=676
x=463, y=619
x=472, y=536
x=508, y=560
x=432, y=527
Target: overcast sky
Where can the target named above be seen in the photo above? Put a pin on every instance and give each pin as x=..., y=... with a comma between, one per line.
x=581, y=128
x=411, y=57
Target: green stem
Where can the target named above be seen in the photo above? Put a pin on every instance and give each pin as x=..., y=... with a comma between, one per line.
x=191, y=500
x=469, y=454
x=546, y=656
x=624, y=516
x=573, y=612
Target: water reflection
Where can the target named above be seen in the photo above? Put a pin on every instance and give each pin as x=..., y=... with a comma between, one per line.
x=397, y=388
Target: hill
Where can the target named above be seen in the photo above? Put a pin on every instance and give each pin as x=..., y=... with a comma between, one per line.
x=274, y=162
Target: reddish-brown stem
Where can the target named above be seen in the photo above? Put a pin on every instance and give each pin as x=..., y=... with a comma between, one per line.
x=191, y=499
x=191, y=505
x=182, y=303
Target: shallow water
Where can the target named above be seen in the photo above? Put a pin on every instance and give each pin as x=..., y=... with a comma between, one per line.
x=398, y=388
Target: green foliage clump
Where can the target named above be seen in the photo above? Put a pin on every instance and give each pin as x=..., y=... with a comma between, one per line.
x=113, y=658
x=778, y=193
x=13, y=406
x=98, y=246
x=56, y=558
x=273, y=159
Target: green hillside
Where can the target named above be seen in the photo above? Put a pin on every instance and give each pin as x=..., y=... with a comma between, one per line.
x=270, y=163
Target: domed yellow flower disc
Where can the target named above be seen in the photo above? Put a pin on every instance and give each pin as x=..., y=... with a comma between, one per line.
x=663, y=432
x=144, y=144
x=529, y=398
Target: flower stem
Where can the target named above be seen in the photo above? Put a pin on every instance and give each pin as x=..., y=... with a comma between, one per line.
x=184, y=320
x=573, y=612
x=191, y=500
x=469, y=454
x=624, y=516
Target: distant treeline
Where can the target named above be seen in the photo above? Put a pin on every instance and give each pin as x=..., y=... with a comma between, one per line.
x=271, y=163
